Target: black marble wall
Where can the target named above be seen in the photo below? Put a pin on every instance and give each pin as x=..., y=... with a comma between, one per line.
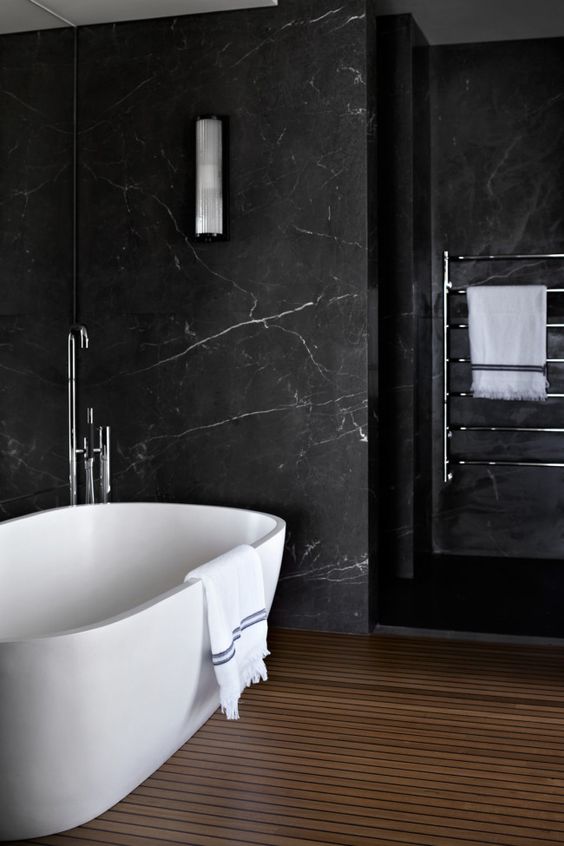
x=36, y=111
x=491, y=558
x=236, y=373
x=404, y=269
x=498, y=148
x=374, y=522
x=241, y=373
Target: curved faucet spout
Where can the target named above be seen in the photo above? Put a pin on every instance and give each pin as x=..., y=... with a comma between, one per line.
x=81, y=331
x=77, y=330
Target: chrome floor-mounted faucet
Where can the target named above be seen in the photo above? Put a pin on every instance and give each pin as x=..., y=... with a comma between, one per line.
x=76, y=331
x=88, y=450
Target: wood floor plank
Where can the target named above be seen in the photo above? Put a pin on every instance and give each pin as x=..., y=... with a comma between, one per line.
x=359, y=753
x=353, y=771
x=338, y=821
x=337, y=832
x=382, y=674
x=403, y=783
x=355, y=808
x=365, y=741
x=542, y=749
x=509, y=808
x=398, y=721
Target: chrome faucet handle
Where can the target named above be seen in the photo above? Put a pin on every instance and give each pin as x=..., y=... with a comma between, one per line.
x=77, y=330
x=90, y=497
x=90, y=430
x=104, y=436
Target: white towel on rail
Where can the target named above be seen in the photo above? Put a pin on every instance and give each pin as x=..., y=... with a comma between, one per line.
x=236, y=614
x=507, y=328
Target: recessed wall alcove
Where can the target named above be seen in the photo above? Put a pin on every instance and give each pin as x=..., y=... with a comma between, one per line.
x=486, y=548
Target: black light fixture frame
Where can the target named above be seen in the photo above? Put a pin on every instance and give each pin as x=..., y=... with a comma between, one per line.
x=205, y=237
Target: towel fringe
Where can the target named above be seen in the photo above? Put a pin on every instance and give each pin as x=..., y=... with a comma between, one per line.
x=231, y=708
x=253, y=671
x=508, y=394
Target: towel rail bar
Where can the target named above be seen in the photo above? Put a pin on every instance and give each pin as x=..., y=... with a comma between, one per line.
x=508, y=257
x=465, y=326
x=469, y=361
x=504, y=429
x=466, y=461
x=463, y=291
x=448, y=429
x=470, y=394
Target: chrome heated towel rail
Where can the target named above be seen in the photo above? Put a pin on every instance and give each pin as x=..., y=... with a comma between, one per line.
x=448, y=429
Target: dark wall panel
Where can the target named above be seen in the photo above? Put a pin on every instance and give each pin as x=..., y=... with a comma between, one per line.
x=490, y=557
x=36, y=142
x=236, y=373
x=499, y=145
x=404, y=245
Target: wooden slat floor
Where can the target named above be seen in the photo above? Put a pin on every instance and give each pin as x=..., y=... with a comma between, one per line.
x=366, y=740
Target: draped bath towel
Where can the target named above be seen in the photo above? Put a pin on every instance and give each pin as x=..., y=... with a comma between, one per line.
x=507, y=328
x=234, y=591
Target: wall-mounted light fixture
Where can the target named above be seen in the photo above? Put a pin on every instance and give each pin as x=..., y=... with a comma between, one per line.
x=212, y=178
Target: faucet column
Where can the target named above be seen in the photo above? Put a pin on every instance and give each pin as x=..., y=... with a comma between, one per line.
x=105, y=466
x=80, y=331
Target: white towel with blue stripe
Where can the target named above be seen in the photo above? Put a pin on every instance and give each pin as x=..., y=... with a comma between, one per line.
x=234, y=591
x=507, y=329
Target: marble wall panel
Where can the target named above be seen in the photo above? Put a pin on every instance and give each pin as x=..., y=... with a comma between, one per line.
x=498, y=143
x=404, y=286
x=36, y=78
x=236, y=373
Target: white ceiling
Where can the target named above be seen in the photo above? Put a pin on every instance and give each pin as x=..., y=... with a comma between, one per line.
x=460, y=21
x=23, y=15
x=442, y=21
x=20, y=16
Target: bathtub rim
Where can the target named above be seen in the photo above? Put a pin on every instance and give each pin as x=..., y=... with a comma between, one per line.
x=279, y=526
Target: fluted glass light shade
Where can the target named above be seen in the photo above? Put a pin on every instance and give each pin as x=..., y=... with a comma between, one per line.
x=212, y=200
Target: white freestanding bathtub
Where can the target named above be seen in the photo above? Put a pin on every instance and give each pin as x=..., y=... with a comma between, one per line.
x=105, y=666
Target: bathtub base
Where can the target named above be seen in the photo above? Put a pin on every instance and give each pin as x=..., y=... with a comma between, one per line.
x=126, y=706
x=88, y=713
x=44, y=822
